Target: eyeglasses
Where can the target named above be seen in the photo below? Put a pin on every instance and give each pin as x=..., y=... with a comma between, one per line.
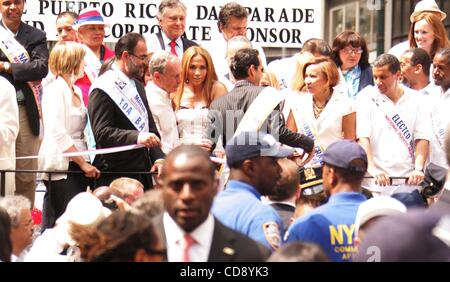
x=143, y=58
x=349, y=50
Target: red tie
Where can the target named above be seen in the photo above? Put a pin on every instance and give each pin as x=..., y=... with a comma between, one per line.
x=188, y=243
x=173, y=44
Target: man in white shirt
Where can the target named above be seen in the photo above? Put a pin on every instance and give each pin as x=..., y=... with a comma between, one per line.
x=440, y=116
x=165, y=70
x=172, y=21
x=393, y=127
x=415, y=66
x=187, y=227
x=232, y=22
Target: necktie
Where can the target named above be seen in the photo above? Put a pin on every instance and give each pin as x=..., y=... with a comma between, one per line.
x=173, y=50
x=187, y=244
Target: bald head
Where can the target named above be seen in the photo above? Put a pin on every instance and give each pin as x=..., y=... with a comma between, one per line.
x=186, y=152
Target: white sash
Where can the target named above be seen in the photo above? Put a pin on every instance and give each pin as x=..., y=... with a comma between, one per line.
x=394, y=120
x=126, y=97
x=92, y=64
x=259, y=110
x=306, y=126
x=17, y=54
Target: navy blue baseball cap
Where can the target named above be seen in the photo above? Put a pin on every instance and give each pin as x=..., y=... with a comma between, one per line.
x=341, y=153
x=247, y=145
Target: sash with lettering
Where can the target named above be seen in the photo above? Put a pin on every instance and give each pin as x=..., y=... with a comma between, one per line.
x=92, y=64
x=17, y=54
x=392, y=118
x=303, y=118
x=259, y=110
x=125, y=95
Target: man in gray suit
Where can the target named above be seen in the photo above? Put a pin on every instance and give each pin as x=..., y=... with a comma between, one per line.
x=227, y=111
x=187, y=227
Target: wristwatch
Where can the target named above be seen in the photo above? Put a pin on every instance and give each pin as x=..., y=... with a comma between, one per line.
x=6, y=66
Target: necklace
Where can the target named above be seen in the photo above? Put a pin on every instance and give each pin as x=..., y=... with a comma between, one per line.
x=318, y=109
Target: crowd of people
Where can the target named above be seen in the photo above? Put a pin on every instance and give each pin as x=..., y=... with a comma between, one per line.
x=165, y=150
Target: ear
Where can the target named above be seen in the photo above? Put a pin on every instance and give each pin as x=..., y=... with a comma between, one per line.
x=125, y=55
x=220, y=27
x=248, y=167
x=418, y=69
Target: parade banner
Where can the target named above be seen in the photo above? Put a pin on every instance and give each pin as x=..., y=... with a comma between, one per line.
x=271, y=23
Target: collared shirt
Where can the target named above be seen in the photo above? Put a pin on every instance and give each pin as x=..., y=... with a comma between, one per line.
x=331, y=226
x=164, y=116
x=240, y=208
x=350, y=81
x=389, y=152
x=202, y=235
x=154, y=45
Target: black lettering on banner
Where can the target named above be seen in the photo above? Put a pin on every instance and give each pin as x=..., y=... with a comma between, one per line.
x=269, y=14
x=107, y=9
x=129, y=10
x=203, y=14
x=283, y=16
x=36, y=24
x=140, y=11
x=309, y=16
x=272, y=35
x=56, y=7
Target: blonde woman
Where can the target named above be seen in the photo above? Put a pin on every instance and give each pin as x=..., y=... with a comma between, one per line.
x=322, y=113
x=198, y=88
x=65, y=120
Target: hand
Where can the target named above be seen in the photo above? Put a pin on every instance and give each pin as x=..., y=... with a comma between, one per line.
x=149, y=140
x=90, y=170
x=415, y=177
x=299, y=158
x=157, y=167
x=205, y=144
x=381, y=178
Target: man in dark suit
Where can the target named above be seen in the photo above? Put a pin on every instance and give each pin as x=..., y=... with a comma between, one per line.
x=124, y=118
x=172, y=21
x=247, y=69
x=187, y=227
x=19, y=74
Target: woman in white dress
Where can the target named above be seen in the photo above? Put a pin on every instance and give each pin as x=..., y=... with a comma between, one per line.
x=321, y=113
x=65, y=119
x=198, y=88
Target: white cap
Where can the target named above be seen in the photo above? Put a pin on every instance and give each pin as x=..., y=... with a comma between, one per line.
x=427, y=6
x=377, y=206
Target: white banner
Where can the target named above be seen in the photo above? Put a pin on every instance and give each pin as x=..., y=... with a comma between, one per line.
x=272, y=23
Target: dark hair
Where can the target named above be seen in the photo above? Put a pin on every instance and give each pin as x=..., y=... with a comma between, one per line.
x=444, y=52
x=5, y=233
x=354, y=174
x=299, y=252
x=71, y=14
x=316, y=45
x=117, y=238
x=354, y=39
x=127, y=43
x=420, y=57
x=242, y=61
x=106, y=65
x=387, y=60
x=230, y=10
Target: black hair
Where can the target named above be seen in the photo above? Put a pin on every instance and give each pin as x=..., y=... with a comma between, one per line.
x=242, y=61
x=387, y=60
x=128, y=43
x=420, y=57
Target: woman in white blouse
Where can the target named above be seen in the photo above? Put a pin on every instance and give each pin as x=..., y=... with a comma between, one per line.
x=321, y=113
x=65, y=119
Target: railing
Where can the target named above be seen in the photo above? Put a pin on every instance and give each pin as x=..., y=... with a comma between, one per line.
x=4, y=172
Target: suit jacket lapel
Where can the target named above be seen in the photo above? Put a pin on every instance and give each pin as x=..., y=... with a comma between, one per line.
x=161, y=41
x=222, y=249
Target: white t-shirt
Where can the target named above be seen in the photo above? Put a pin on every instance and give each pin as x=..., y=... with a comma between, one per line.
x=399, y=49
x=390, y=154
x=328, y=127
x=440, y=117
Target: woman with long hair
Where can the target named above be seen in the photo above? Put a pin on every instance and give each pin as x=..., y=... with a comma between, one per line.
x=199, y=87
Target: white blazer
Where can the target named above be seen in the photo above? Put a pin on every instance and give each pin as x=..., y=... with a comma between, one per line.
x=56, y=104
x=9, y=129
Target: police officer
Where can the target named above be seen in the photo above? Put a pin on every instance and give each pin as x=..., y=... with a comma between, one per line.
x=254, y=172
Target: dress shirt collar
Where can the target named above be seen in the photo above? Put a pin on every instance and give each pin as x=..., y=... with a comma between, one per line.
x=242, y=186
x=202, y=235
x=156, y=90
x=122, y=75
x=167, y=41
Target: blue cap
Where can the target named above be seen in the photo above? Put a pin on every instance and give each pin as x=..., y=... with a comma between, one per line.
x=341, y=153
x=247, y=145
